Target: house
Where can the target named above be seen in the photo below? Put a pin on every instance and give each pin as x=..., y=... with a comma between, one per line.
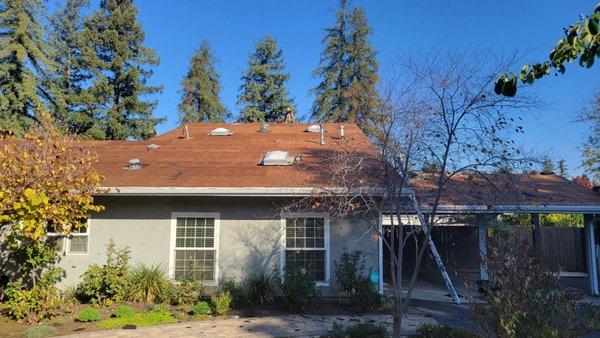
x=203, y=200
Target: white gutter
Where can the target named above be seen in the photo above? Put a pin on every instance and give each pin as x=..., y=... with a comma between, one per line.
x=219, y=191
x=548, y=208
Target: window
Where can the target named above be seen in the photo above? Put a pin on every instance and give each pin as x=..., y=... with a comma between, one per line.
x=53, y=235
x=78, y=241
x=75, y=243
x=306, y=242
x=195, y=247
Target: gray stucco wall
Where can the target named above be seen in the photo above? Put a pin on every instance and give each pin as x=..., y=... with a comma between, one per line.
x=249, y=236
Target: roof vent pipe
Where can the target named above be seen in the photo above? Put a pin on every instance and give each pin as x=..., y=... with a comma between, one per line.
x=186, y=132
x=341, y=131
x=322, y=134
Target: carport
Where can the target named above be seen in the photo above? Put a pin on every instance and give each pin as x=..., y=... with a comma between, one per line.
x=469, y=206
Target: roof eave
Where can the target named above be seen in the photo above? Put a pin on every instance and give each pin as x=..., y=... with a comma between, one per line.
x=226, y=191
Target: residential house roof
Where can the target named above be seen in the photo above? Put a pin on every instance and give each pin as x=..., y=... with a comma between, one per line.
x=205, y=161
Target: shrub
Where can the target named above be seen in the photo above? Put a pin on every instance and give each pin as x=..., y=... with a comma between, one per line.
x=221, y=302
x=148, y=284
x=349, y=272
x=260, y=289
x=107, y=283
x=359, y=330
x=298, y=288
x=237, y=292
x=38, y=302
x=156, y=316
x=184, y=292
x=124, y=311
x=442, y=331
x=201, y=309
x=88, y=315
x=524, y=298
x=39, y=331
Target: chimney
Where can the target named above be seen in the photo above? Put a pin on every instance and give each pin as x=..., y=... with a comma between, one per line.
x=322, y=134
x=342, y=131
x=186, y=132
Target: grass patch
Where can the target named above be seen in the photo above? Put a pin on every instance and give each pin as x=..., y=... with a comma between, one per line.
x=442, y=331
x=148, y=318
x=39, y=331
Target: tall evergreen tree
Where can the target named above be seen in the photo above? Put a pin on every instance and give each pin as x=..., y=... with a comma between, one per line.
x=362, y=94
x=122, y=68
x=348, y=72
x=562, y=168
x=330, y=102
x=547, y=165
x=201, y=90
x=25, y=60
x=263, y=95
x=72, y=101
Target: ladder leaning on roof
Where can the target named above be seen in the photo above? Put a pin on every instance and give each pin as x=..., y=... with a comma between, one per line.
x=434, y=251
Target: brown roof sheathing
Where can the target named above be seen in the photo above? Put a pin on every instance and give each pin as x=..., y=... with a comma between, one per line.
x=224, y=161
x=501, y=189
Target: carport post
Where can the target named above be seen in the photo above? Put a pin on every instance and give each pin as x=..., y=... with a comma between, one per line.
x=591, y=253
x=482, y=235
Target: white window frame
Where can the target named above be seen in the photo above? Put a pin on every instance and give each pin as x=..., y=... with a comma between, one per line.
x=172, y=246
x=326, y=247
x=66, y=240
x=79, y=234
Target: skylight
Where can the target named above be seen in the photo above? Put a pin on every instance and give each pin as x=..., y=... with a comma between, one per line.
x=220, y=132
x=277, y=158
x=314, y=128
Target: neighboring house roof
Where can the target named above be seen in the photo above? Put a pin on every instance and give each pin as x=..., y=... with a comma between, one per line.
x=505, y=192
x=229, y=164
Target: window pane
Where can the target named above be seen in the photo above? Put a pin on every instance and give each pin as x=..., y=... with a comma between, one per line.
x=312, y=260
x=78, y=244
x=198, y=264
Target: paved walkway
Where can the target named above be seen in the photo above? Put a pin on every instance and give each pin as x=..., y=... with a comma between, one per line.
x=268, y=326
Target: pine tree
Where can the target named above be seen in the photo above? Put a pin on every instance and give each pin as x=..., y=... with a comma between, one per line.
x=263, y=95
x=348, y=72
x=25, y=61
x=562, y=168
x=71, y=100
x=547, y=165
x=114, y=42
x=201, y=89
x=362, y=94
x=330, y=102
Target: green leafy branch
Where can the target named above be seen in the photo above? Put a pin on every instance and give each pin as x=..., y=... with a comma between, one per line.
x=581, y=41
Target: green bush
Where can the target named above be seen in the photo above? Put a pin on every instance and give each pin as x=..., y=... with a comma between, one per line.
x=107, y=283
x=148, y=284
x=441, y=331
x=201, y=309
x=524, y=297
x=260, y=289
x=88, y=315
x=184, y=292
x=298, y=288
x=237, y=292
x=124, y=311
x=39, y=331
x=221, y=302
x=359, y=330
x=39, y=302
x=350, y=276
x=156, y=316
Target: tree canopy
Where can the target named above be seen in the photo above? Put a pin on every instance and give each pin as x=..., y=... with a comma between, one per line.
x=25, y=61
x=201, y=89
x=348, y=72
x=263, y=95
x=122, y=68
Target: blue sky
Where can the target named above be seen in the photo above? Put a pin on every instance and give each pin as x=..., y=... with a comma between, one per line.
x=174, y=28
